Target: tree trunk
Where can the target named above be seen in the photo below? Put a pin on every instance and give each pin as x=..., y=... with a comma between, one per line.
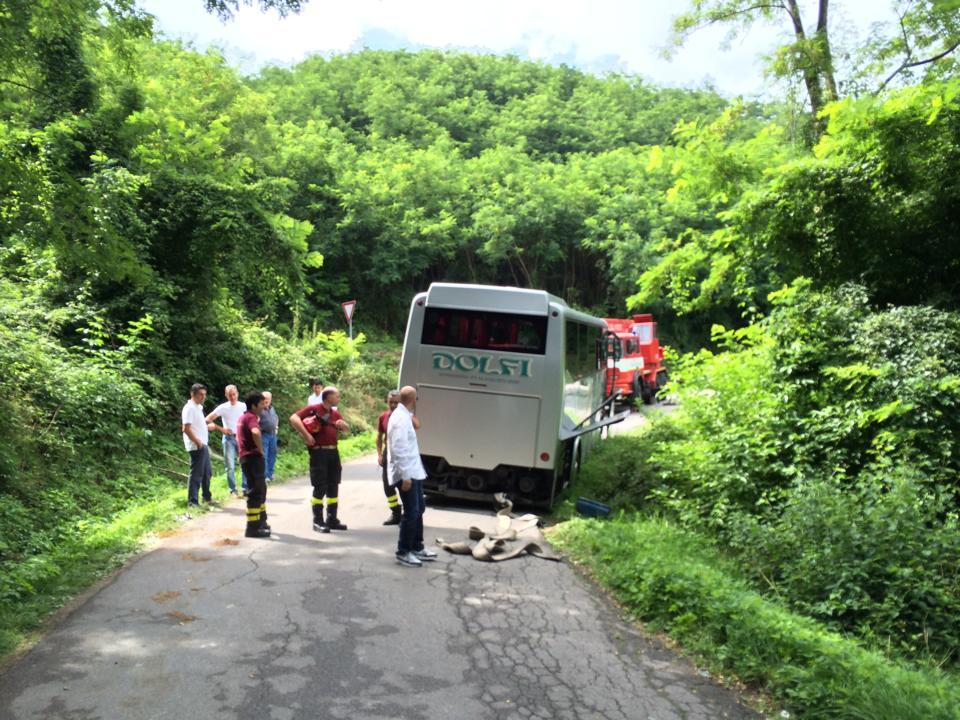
x=810, y=76
x=830, y=83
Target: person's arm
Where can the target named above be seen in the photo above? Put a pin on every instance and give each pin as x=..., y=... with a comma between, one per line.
x=213, y=426
x=341, y=425
x=257, y=439
x=297, y=424
x=416, y=422
x=187, y=429
x=380, y=446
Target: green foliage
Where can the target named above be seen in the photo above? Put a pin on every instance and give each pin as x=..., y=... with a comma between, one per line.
x=874, y=204
x=675, y=580
x=820, y=448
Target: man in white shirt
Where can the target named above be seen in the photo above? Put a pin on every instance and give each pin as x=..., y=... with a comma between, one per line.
x=316, y=396
x=195, y=440
x=406, y=471
x=229, y=413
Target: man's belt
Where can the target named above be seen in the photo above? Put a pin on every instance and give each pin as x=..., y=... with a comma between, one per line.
x=326, y=447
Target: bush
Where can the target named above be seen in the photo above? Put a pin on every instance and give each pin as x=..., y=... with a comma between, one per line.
x=821, y=448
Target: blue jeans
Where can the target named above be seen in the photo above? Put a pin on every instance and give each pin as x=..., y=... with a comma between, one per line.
x=411, y=522
x=200, y=472
x=230, y=452
x=269, y=453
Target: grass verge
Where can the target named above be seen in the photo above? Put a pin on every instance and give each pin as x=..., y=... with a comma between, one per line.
x=676, y=582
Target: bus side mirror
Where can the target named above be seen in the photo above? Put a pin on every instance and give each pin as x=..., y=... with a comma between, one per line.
x=612, y=347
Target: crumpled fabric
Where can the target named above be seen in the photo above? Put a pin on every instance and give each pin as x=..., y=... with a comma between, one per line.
x=511, y=538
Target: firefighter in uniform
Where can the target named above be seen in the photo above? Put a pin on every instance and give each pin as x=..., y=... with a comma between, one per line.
x=250, y=443
x=393, y=497
x=320, y=426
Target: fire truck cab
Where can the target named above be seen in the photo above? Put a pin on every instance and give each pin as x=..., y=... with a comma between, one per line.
x=639, y=370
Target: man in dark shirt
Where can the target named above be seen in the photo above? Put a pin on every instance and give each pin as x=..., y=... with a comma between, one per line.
x=320, y=427
x=250, y=443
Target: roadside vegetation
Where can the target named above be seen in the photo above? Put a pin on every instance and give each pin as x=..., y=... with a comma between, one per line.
x=165, y=220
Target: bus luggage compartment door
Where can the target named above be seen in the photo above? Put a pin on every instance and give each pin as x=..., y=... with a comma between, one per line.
x=476, y=429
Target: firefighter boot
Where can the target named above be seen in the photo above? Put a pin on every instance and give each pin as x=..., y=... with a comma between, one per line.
x=332, y=522
x=394, y=518
x=263, y=518
x=318, y=523
x=254, y=530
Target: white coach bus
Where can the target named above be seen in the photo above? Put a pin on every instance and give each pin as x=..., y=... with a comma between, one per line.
x=510, y=389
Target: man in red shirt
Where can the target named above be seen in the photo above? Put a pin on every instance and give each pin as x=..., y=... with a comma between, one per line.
x=393, y=498
x=320, y=427
x=250, y=444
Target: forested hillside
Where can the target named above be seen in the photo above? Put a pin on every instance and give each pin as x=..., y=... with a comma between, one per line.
x=166, y=220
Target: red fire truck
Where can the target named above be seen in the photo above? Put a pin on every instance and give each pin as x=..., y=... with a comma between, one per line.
x=638, y=371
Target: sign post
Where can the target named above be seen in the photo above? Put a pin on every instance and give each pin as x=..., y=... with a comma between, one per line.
x=348, y=307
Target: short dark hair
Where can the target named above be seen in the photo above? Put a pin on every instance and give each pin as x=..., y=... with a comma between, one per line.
x=197, y=387
x=254, y=398
x=315, y=381
x=326, y=392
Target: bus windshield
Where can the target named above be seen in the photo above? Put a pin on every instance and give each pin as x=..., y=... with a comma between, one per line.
x=482, y=330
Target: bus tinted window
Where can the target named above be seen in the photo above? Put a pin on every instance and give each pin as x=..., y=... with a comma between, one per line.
x=481, y=330
x=583, y=350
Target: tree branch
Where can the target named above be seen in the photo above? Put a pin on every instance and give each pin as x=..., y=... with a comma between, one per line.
x=27, y=87
x=917, y=63
x=734, y=13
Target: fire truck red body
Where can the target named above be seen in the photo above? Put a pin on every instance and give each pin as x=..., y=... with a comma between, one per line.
x=639, y=371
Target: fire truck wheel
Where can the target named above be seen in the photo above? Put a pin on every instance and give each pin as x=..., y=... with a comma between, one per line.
x=662, y=379
x=642, y=390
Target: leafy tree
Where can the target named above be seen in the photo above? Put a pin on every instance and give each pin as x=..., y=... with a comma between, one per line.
x=927, y=35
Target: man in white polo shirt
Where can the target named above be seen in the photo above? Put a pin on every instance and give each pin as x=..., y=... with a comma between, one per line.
x=195, y=440
x=229, y=413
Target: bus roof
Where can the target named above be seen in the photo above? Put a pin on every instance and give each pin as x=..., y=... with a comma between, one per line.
x=491, y=297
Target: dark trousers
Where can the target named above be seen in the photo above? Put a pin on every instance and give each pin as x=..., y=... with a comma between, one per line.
x=253, y=469
x=411, y=522
x=393, y=497
x=325, y=472
x=200, y=473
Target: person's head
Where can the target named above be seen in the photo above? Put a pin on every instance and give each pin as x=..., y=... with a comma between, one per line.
x=408, y=396
x=231, y=392
x=253, y=401
x=316, y=386
x=198, y=392
x=267, y=399
x=330, y=396
x=393, y=399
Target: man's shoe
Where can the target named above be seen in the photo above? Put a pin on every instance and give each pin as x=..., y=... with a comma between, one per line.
x=335, y=524
x=193, y=504
x=425, y=554
x=233, y=492
x=392, y=520
x=409, y=559
x=321, y=528
x=257, y=533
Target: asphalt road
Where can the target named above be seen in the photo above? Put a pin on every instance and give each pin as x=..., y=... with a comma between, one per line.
x=210, y=624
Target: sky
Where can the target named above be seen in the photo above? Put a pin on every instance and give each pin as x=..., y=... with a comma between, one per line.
x=596, y=36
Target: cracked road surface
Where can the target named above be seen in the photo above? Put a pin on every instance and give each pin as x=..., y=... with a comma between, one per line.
x=213, y=625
